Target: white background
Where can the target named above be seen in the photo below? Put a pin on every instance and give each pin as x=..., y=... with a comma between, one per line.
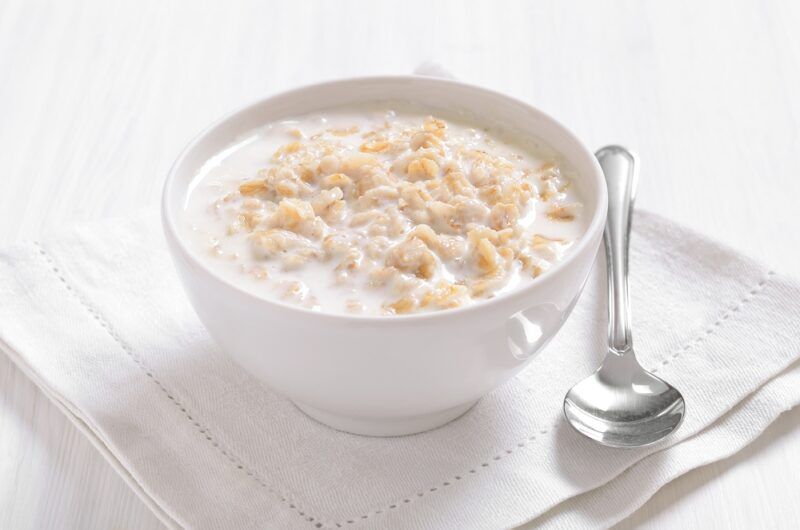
x=96, y=99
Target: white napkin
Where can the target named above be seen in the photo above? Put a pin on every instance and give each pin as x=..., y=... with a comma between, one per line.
x=96, y=317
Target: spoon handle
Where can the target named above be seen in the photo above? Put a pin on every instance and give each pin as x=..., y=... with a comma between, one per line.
x=620, y=169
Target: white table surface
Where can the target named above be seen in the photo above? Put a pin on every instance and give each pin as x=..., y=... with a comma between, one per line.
x=97, y=98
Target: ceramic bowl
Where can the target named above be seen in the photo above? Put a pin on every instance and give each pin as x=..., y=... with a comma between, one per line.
x=399, y=374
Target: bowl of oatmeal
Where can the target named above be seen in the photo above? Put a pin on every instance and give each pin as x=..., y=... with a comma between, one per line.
x=384, y=251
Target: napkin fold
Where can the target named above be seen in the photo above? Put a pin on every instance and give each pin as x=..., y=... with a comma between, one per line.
x=96, y=317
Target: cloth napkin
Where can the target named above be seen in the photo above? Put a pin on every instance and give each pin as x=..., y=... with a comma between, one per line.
x=96, y=317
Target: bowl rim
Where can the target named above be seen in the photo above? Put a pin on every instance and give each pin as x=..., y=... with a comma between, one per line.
x=596, y=224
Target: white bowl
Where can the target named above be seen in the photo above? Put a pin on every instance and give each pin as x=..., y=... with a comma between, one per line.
x=386, y=375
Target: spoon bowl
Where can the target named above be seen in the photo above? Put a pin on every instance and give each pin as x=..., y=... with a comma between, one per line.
x=622, y=404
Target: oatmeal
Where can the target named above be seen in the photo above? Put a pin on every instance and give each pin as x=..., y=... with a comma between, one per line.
x=373, y=211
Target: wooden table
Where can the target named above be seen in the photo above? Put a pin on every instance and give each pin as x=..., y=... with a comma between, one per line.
x=98, y=97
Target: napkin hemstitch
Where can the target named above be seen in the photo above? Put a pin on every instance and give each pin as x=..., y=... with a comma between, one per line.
x=288, y=500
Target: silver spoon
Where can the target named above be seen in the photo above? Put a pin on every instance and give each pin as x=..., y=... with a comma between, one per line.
x=622, y=404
